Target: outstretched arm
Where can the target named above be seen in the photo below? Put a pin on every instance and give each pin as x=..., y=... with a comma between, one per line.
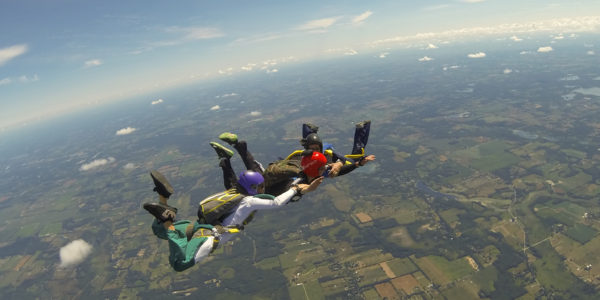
x=345, y=169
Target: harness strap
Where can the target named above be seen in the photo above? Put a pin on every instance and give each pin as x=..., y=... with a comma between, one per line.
x=189, y=231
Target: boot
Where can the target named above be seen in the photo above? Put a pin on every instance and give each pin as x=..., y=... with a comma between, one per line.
x=161, y=185
x=161, y=211
x=221, y=150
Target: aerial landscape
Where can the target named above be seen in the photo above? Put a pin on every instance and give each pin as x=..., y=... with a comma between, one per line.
x=485, y=186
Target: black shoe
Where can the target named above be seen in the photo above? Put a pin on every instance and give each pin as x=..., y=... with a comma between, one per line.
x=161, y=212
x=362, y=124
x=313, y=128
x=161, y=185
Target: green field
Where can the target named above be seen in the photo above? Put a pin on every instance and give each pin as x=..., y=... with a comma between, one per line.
x=581, y=233
x=402, y=266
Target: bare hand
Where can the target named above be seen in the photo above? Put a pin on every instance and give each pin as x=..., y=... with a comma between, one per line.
x=335, y=169
x=307, y=188
x=367, y=159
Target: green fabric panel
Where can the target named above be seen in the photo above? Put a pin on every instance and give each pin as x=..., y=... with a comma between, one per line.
x=181, y=252
x=264, y=196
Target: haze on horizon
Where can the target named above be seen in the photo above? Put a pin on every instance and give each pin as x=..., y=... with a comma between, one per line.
x=62, y=56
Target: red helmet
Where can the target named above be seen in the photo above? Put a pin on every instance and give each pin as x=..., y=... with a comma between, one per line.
x=312, y=163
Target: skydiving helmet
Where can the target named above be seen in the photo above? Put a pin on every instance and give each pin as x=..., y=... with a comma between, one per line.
x=250, y=181
x=311, y=164
x=312, y=139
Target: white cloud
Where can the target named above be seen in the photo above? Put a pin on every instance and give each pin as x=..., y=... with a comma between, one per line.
x=425, y=58
x=92, y=63
x=507, y=71
x=129, y=166
x=227, y=71
x=96, y=163
x=450, y=68
x=559, y=37
x=360, y=18
x=515, y=38
x=431, y=46
x=576, y=24
x=545, y=49
x=476, y=55
x=20, y=79
x=350, y=52
x=384, y=55
x=255, y=113
x=5, y=81
x=74, y=253
x=226, y=95
x=125, y=131
x=216, y=107
x=25, y=79
x=436, y=7
x=472, y=1
x=317, y=24
x=525, y=52
x=590, y=52
x=157, y=101
x=344, y=51
x=194, y=33
x=272, y=71
x=249, y=67
x=9, y=53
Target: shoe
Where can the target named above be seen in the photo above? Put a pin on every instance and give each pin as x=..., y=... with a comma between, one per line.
x=362, y=124
x=221, y=150
x=161, y=185
x=313, y=128
x=161, y=211
x=228, y=137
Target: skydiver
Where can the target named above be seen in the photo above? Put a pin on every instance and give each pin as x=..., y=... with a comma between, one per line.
x=342, y=164
x=191, y=242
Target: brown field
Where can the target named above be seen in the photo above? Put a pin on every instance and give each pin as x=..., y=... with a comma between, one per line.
x=386, y=291
x=406, y=283
x=363, y=218
x=22, y=262
x=387, y=270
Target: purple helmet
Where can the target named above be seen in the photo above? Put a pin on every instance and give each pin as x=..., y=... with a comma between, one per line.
x=250, y=180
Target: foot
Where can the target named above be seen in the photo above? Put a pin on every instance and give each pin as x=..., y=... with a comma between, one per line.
x=161, y=211
x=228, y=137
x=161, y=185
x=221, y=150
x=313, y=128
x=362, y=124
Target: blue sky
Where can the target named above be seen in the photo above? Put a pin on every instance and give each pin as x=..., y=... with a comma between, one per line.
x=58, y=56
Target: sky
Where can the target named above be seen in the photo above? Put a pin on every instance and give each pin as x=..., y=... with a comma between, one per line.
x=60, y=56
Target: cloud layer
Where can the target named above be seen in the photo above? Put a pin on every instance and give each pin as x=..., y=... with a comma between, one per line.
x=157, y=101
x=578, y=24
x=74, y=253
x=545, y=49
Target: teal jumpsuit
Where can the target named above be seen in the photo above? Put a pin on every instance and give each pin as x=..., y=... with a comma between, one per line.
x=181, y=251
